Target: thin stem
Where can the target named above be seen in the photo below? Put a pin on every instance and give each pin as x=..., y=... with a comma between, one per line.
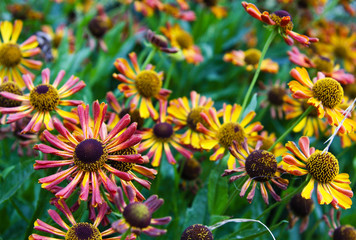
x=18, y=210
x=309, y=109
x=126, y=233
x=106, y=198
x=169, y=75
x=286, y=198
x=264, y=51
x=149, y=58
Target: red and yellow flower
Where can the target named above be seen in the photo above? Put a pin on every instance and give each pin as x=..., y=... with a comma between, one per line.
x=220, y=136
x=186, y=115
x=325, y=94
x=141, y=85
x=86, y=154
x=250, y=59
x=280, y=19
x=332, y=187
x=161, y=137
x=14, y=57
x=182, y=40
x=42, y=100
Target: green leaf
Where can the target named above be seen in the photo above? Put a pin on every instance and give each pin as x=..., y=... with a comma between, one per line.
x=6, y=171
x=197, y=213
x=13, y=182
x=251, y=106
x=217, y=189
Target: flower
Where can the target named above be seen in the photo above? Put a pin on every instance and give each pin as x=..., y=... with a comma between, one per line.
x=218, y=11
x=186, y=115
x=76, y=230
x=325, y=94
x=260, y=166
x=86, y=154
x=147, y=7
x=175, y=11
x=159, y=42
x=282, y=21
x=10, y=87
x=267, y=141
x=197, y=231
x=299, y=207
x=24, y=11
x=13, y=57
x=141, y=85
x=275, y=97
x=160, y=137
x=322, y=64
x=137, y=216
x=323, y=168
x=250, y=59
x=220, y=136
x=310, y=124
x=338, y=231
x=43, y=99
x=182, y=40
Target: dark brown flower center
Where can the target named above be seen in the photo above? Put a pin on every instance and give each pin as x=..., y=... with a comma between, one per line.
x=323, y=166
x=83, y=231
x=10, y=55
x=229, y=132
x=191, y=169
x=261, y=165
x=275, y=96
x=328, y=91
x=344, y=232
x=163, y=130
x=90, y=155
x=98, y=26
x=10, y=87
x=197, y=232
x=123, y=166
x=300, y=206
x=44, y=98
x=137, y=215
x=148, y=83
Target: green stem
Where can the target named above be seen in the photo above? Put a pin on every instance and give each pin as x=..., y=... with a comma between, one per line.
x=309, y=109
x=18, y=210
x=106, y=198
x=169, y=75
x=286, y=198
x=149, y=58
x=264, y=51
x=126, y=233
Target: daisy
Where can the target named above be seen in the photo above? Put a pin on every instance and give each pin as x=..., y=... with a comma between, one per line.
x=323, y=168
x=220, y=136
x=325, y=94
x=260, y=166
x=162, y=136
x=10, y=87
x=281, y=20
x=73, y=230
x=141, y=85
x=187, y=115
x=86, y=154
x=310, y=125
x=322, y=64
x=184, y=41
x=250, y=59
x=42, y=100
x=137, y=216
x=14, y=57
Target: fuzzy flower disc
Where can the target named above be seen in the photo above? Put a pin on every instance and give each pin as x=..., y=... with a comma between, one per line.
x=90, y=155
x=261, y=165
x=10, y=55
x=83, y=231
x=148, y=83
x=328, y=91
x=323, y=166
x=44, y=98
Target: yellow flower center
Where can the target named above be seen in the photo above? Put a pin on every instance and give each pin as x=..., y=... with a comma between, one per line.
x=184, y=40
x=44, y=98
x=83, y=231
x=148, y=83
x=261, y=165
x=90, y=155
x=10, y=87
x=323, y=64
x=252, y=56
x=277, y=18
x=323, y=166
x=137, y=215
x=229, y=132
x=344, y=232
x=341, y=51
x=267, y=143
x=163, y=131
x=10, y=55
x=123, y=166
x=194, y=118
x=275, y=96
x=328, y=91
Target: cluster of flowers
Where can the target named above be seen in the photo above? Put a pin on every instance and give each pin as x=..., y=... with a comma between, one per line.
x=108, y=148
